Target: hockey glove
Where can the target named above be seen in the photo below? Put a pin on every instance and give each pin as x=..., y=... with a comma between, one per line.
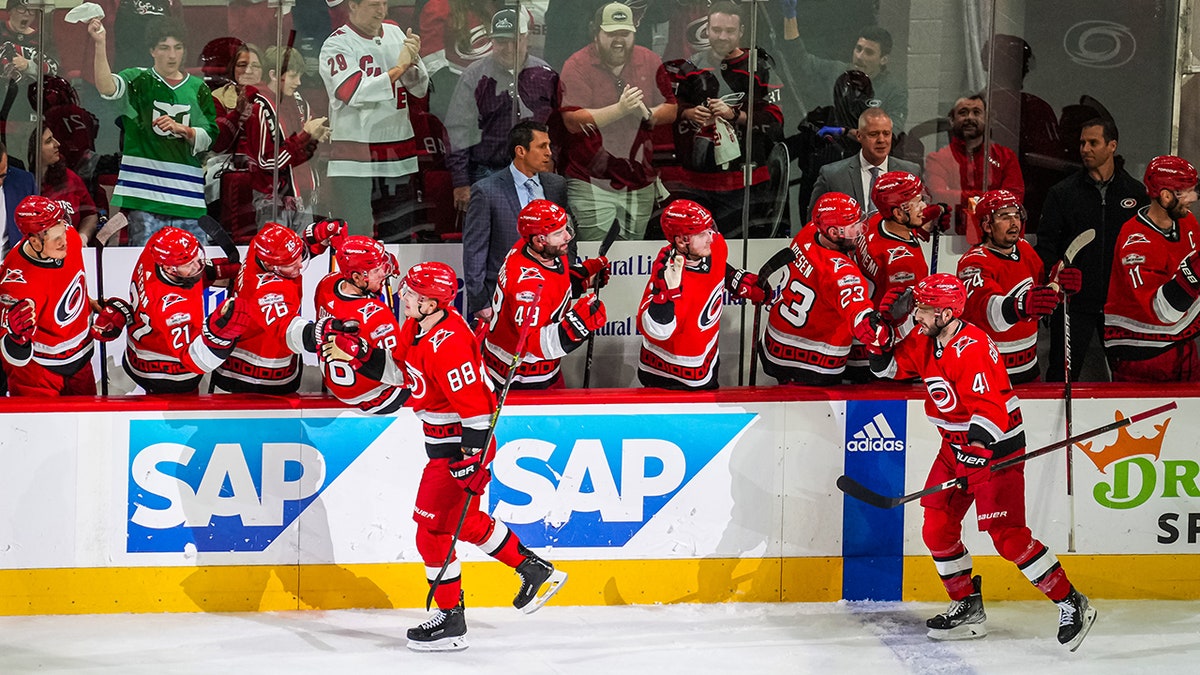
x=973, y=461
x=472, y=471
x=224, y=326
x=345, y=346
x=220, y=268
x=581, y=320
x=22, y=321
x=317, y=333
x=897, y=305
x=322, y=233
x=1186, y=276
x=592, y=273
x=1069, y=279
x=875, y=333
x=113, y=316
x=1037, y=302
x=745, y=286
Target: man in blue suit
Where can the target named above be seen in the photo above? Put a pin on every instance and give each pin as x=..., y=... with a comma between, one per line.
x=18, y=184
x=855, y=176
x=490, y=229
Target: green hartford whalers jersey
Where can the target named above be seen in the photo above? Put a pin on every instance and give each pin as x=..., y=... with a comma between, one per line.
x=160, y=172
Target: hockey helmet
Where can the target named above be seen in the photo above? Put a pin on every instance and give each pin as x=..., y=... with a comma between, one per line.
x=541, y=216
x=942, y=291
x=839, y=217
x=683, y=218
x=276, y=247
x=994, y=200
x=217, y=58
x=894, y=189
x=37, y=214
x=173, y=247
x=362, y=254
x=56, y=91
x=433, y=280
x=1168, y=172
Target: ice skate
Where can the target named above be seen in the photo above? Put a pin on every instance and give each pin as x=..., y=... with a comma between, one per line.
x=1075, y=619
x=445, y=631
x=539, y=582
x=964, y=620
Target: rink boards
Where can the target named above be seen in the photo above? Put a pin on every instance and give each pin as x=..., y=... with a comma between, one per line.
x=264, y=503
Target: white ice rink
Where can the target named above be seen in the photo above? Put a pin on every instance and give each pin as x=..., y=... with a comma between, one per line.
x=860, y=638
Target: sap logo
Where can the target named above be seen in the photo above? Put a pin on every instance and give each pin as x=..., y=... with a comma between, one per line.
x=232, y=485
x=875, y=436
x=596, y=480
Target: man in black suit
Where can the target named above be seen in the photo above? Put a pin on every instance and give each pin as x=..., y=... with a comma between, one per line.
x=490, y=229
x=855, y=176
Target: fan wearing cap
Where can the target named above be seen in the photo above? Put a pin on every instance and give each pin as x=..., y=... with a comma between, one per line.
x=1150, y=318
x=19, y=60
x=971, y=401
x=613, y=93
x=45, y=312
x=680, y=312
x=1006, y=284
x=539, y=259
x=824, y=304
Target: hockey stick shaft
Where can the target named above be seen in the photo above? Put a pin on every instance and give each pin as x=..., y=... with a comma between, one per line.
x=754, y=345
x=933, y=252
x=219, y=236
x=864, y=494
x=103, y=345
x=518, y=356
x=605, y=245
x=1067, y=413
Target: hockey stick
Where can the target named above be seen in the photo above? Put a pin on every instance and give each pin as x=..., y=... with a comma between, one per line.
x=109, y=229
x=220, y=237
x=864, y=494
x=518, y=356
x=604, y=246
x=104, y=234
x=1083, y=239
x=933, y=251
x=754, y=344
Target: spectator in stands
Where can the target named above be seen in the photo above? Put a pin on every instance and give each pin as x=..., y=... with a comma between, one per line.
x=169, y=122
x=481, y=110
x=613, y=93
x=228, y=181
x=16, y=184
x=63, y=185
x=373, y=74
x=129, y=20
x=454, y=35
x=710, y=134
x=955, y=174
x=19, y=64
x=856, y=176
x=283, y=141
x=490, y=230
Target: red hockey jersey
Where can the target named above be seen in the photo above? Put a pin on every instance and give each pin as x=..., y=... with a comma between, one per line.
x=992, y=278
x=516, y=286
x=684, y=348
x=887, y=261
x=1139, y=322
x=266, y=356
x=61, y=342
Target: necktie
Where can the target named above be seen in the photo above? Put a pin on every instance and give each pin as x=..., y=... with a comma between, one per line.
x=529, y=185
x=874, y=177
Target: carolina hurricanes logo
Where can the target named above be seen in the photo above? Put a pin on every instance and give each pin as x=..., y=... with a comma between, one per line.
x=438, y=338
x=961, y=344
x=941, y=394
x=839, y=263
x=1128, y=203
x=479, y=46
x=265, y=278
x=1136, y=238
x=13, y=276
x=368, y=310
x=417, y=379
x=171, y=299
x=72, y=301
x=697, y=34
x=530, y=273
x=711, y=314
x=898, y=253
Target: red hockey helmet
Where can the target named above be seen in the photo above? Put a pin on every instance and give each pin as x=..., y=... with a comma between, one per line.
x=276, y=246
x=942, y=291
x=362, y=254
x=684, y=217
x=37, y=214
x=1168, y=172
x=56, y=91
x=433, y=280
x=540, y=216
x=994, y=200
x=839, y=217
x=173, y=247
x=894, y=189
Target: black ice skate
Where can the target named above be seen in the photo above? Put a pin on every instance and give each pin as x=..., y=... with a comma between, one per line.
x=1075, y=619
x=539, y=582
x=964, y=620
x=445, y=631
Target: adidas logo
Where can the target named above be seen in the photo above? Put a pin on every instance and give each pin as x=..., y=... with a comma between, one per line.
x=875, y=436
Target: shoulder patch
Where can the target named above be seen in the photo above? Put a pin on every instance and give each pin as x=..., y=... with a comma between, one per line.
x=13, y=276
x=530, y=273
x=1128, y=203
x=1136, y=238
x=171, y=299
x=1133, y=259
x=960, y=345
x=848, y=280
x=439, y=337
x=898, y=253
x=839, y=263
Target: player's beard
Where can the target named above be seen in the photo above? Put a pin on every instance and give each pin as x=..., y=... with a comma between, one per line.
x=1177, y=209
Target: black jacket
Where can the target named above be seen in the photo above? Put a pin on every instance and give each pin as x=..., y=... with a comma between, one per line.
x=1076, y=204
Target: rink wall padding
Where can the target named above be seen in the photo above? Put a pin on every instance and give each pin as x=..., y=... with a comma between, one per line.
x=136, y=504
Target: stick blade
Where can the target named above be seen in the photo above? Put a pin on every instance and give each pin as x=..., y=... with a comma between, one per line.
x=864, y=494
x=110, y=228
x=1083, y=239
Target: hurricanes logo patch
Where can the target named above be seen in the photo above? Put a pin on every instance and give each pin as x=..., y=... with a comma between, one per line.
x=839, y=263
x=961, y=344
x=1128, y=203
x=265, y=278
x=898, y=253
x=941, y=394
x=171, y=299
x=1136, y=238
x=13, y=276
x=711, y=313
x=72, y=302
x=368, y=310
x=439, y=337
x=530, y=273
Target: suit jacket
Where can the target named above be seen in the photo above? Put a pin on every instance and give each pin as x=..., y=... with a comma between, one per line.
x=845, y=176
x=17, y=186
x=490, y=230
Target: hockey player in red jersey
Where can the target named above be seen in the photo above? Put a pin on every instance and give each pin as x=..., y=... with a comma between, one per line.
x=1151, y=318
x=824, y=302
x=47, y=344
x=970, y=399
x=165, y=353
x=680, y=312
x=1006, y=284
x=539, y=258
x=266, y=356
x=454, y=400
